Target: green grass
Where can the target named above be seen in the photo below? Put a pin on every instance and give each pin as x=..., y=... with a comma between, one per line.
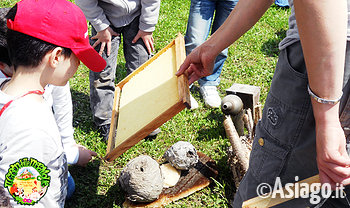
x=251, y=60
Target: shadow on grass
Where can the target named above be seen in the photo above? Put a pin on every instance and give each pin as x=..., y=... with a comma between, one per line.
x=224, y=182
x=86, y=188
x=270, y=47
x=91, y=180
x=82, y=116
x=215, y=131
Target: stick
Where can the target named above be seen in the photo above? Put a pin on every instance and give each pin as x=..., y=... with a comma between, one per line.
x=248, y=125
x=236, y=143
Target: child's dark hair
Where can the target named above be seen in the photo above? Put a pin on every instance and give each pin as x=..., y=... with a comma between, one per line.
x=4, y=55
x=25, y=50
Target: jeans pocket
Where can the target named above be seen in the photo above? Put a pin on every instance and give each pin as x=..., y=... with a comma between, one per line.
x=288, y=101
x=267, y=157
x=282, y=122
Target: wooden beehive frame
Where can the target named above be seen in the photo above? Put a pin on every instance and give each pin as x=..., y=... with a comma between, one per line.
x=116, y=146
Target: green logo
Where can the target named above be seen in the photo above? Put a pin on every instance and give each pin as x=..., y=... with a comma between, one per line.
x=27, y=181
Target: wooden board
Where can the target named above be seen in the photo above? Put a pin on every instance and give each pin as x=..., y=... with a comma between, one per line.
x=193, y=180
x=147, y=98
x=264, y=202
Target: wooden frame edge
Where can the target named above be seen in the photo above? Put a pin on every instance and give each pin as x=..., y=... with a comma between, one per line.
x=184, y=90
x=114, y=122
x=143, y=66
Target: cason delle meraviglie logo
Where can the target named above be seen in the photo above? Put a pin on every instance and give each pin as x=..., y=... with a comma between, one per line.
x=27, y=181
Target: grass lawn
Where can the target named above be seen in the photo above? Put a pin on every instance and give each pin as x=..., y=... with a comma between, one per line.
x=251, y=60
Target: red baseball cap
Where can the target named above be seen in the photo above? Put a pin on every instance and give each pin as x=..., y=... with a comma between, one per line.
x=59, y=22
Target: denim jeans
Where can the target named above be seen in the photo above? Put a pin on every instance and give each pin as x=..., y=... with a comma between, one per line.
x=70, y=186
x=200, y=22
x=102, y=84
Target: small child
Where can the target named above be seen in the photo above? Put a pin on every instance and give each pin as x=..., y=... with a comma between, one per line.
x=59, y=99
x=46, y=39
x=134, y=21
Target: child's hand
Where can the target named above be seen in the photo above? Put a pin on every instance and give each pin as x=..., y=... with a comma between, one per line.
x=147, y=39
x=85, y=155
x=105, y=38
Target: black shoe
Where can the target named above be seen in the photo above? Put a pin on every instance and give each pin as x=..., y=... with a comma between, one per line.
x=104, y=131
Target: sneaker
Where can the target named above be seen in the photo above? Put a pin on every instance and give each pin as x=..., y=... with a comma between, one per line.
x=155, y=132
x=210, y=96
x=104, y=131
x=153, y=135
x=194, y=103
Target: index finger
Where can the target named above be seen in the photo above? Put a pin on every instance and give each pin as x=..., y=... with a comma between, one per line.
x=93, y=153
x=183, y=67
x=103, y=44
x=148, y=47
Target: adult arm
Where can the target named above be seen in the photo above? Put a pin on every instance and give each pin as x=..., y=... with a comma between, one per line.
x=148, y=20
x=200, y=62
x=323, y=30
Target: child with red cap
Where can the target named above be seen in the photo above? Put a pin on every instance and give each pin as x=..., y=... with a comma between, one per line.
x=59, y=99
x=46, y=40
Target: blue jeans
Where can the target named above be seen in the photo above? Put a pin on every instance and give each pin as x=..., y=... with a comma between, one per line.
x=200, y=21
x=70, y=186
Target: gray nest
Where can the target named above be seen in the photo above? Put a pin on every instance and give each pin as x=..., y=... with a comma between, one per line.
x=182, y=155
x=142, y=179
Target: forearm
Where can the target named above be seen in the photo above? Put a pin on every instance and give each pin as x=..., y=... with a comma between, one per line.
x=242, y=18
x=322, y=27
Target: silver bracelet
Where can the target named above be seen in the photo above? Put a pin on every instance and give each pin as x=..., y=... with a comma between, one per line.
x=322, y=100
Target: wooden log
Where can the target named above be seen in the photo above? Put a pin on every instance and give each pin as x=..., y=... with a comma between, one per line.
x=236, y=143
x=247, y=124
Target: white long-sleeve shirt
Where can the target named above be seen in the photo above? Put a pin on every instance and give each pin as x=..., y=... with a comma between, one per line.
x=60, y=100
x=33, y=166
x=59, y=97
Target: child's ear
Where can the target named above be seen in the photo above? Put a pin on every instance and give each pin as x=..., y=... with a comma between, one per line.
x=55, y=57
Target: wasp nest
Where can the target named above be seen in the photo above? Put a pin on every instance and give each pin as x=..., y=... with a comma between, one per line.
x=182, y=155
x=142, y=179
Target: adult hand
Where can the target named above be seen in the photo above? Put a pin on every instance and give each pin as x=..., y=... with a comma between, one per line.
x=147, y=39
x=199, y=63
x=105, y=38
x=85, y=155
x=332, y=159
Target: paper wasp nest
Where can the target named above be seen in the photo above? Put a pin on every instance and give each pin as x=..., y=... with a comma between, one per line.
x=142, y=179
x=182, y=155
